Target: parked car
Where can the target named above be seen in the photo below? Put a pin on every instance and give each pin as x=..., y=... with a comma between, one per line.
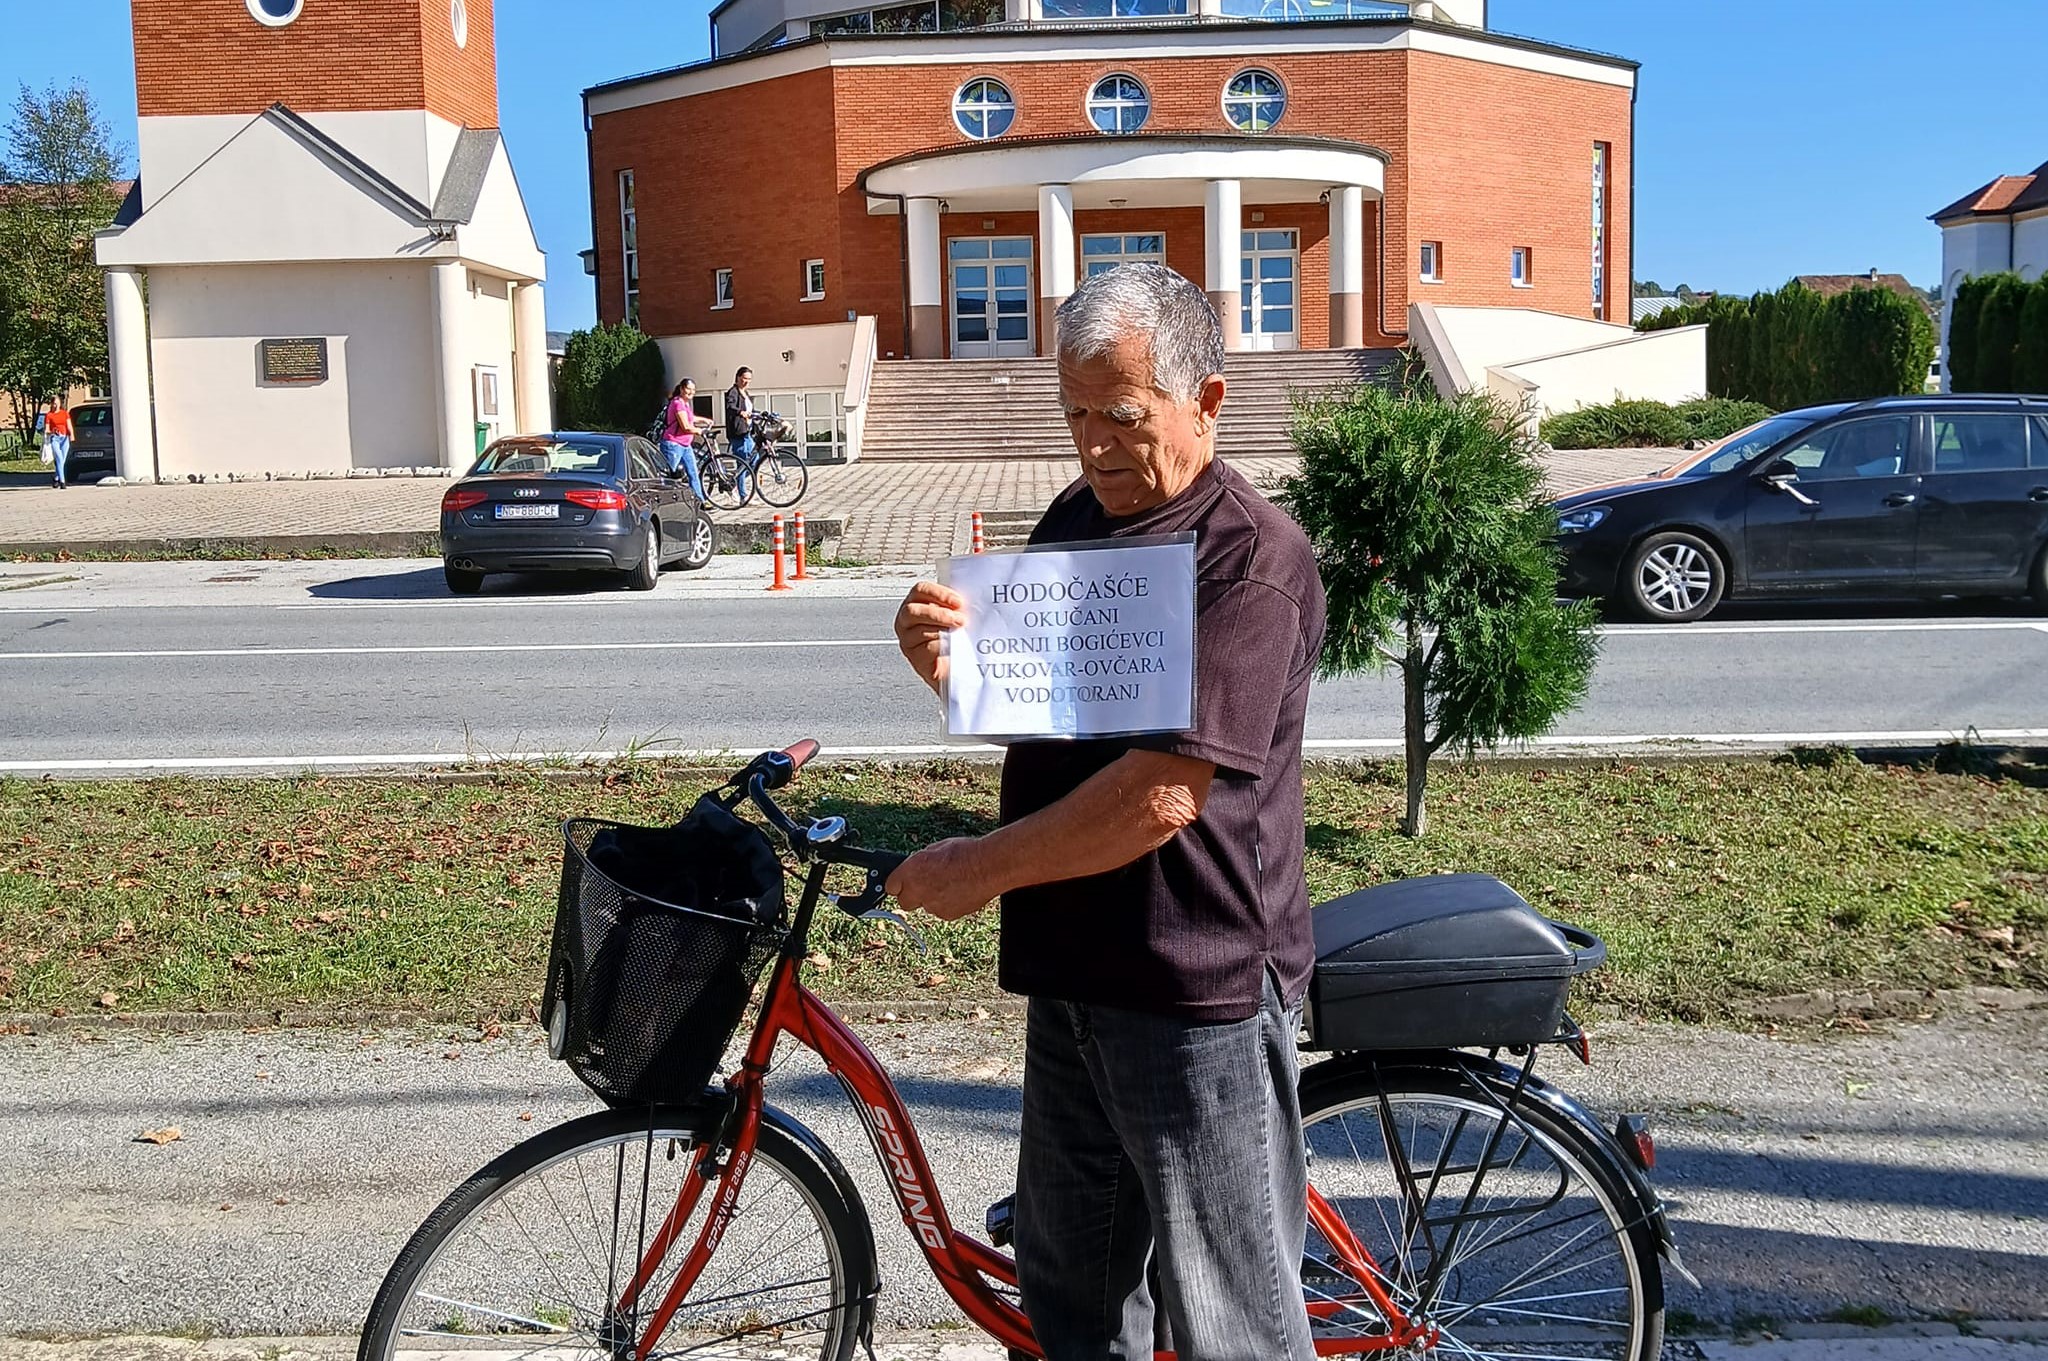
x=1902, y=496
x=92, y=441
x=571, y=501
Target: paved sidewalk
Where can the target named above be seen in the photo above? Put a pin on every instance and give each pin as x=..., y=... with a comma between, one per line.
x=893, y=512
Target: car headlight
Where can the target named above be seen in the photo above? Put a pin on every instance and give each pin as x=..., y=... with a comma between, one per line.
x=1580, y=520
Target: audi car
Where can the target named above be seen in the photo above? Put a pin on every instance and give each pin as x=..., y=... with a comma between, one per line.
x=571, y=501
x=1896, y=497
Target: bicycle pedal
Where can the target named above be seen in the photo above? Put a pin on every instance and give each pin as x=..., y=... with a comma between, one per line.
x=1001, y=1222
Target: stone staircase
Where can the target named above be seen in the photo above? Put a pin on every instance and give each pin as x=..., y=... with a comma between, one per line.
x=933, y=409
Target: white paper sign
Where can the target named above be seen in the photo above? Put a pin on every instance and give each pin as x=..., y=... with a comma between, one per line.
x=1085, y=641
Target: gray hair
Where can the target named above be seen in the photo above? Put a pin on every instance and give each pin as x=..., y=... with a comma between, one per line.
x=1150, y=300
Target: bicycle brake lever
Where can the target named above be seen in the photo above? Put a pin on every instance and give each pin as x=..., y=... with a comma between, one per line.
x=879, y=914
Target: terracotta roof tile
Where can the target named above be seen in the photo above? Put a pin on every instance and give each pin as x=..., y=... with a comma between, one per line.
x=1997, y=196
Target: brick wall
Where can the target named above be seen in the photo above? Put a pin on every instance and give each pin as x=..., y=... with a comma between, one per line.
x=1480, y=157
x=210, y=57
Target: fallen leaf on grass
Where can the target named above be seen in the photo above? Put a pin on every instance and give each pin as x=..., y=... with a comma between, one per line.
x=933, y=980
x=110, y=999
x=493, y=1031
x=169, y=1134
x=1995, y=935
x=820, y=961
x=244, y=961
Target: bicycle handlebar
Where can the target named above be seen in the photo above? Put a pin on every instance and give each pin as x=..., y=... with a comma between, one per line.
x=823, y=839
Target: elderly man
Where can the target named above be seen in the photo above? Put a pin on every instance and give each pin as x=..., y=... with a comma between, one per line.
x=1154, y=907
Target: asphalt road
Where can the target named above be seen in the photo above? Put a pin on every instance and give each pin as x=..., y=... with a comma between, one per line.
x=284, y=664
x=1902, y=1174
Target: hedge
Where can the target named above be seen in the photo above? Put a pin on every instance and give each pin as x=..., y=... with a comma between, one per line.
x=1650, y=425
x=1795, y=348
x=613, y=378
x=1998, y=335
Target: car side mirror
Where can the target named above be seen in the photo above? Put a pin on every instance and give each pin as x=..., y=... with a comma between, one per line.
x=1781, y=476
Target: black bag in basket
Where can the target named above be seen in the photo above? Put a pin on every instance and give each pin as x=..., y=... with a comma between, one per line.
x=660, y=934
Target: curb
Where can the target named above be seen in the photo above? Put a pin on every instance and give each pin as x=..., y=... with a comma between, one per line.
x=735, y=536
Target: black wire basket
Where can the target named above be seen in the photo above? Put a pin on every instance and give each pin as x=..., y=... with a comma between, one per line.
x=660, y=935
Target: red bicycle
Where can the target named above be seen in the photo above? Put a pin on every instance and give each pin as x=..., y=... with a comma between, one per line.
x=1458, y=1205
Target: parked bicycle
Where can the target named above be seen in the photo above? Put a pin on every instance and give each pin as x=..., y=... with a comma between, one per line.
x=775, y=470
x=1458, y=1204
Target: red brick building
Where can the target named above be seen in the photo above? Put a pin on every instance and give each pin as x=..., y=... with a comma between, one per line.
x=951, y=168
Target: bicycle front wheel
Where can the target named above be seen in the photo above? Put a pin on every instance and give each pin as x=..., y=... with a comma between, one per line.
x=727, y=484
x=534, y=1254
x=1511, y=1234
x=781, y=479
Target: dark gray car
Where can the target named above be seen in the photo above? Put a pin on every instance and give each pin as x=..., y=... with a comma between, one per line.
x=571, y=501
x=92, y=441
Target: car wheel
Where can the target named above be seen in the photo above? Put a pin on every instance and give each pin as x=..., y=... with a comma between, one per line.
x=644, y=577
x=1674, y=578
x=462, y=580
x=703, y=543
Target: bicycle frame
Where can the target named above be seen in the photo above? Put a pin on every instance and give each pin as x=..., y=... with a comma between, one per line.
x=963, y=1265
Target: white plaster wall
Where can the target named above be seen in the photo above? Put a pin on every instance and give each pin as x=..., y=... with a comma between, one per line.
x=169, y=149
x=1487, y=336
x=488, y=330
x=410, y=149
x=820, y=357
x=749, y=19
x=500, y=236
x=1470, y=13
x=1661, y=366
x=1976, y=248
x=2030, y=246
x=213, y=413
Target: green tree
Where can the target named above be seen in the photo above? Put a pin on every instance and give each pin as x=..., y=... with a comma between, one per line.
x=1435, y=539
x=1762, y=377
x=1800, y=343
x=611, y=380
x=1881, y=343
x=1964, y=314
x=1998, y=333
x=56, y=190
x=2030, y=359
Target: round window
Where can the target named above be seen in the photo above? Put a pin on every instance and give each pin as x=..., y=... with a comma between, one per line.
x=275, y=13
x=458, y=18
x=1254, y=100
x=1118, y=104
x=984, y=109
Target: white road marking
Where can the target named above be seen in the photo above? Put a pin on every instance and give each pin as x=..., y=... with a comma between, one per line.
x=48, y=609
x=740, y=751
x=439, y=649
x=1924, y=626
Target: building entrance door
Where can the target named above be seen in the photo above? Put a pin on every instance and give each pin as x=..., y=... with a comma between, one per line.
x=1103, y=252
x=991, y=296
x=1270, y=315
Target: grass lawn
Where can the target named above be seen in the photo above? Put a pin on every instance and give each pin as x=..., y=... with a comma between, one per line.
x=1712, y=883
x=13, y=462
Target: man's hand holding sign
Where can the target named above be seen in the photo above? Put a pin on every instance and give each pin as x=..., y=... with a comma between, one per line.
x=1149, y=663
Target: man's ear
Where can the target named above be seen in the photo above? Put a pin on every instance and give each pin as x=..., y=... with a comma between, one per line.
x=1210, y=401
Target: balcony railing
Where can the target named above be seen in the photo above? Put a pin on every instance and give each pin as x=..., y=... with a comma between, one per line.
x=1295, y=11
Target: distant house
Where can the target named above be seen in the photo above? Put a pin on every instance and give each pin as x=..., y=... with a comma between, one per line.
x=1645, y=308
x=1828, y=285
x=2001, y=226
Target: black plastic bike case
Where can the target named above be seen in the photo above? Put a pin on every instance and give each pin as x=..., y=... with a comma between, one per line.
x=1451, y=961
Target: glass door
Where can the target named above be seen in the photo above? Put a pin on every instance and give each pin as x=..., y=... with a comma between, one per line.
x=1104, y=252
x=1270, y=312
x=991, y=296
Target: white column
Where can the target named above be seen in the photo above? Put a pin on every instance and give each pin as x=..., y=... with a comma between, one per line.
x=455, y=403
x=128, y=361
x=1224, y=220
x=1347, y=267
x=927, y=284
x=533, y=411
x=1055, y=257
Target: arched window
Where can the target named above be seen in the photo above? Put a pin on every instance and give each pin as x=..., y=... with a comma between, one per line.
x=983, y=109
x=1119, y=104
x=458, y=19
x=1254, y=100
x=275, y=13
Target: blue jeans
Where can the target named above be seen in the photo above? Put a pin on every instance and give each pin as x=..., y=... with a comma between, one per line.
x=1144, y=1131
x=60, y=454
x=682, y=458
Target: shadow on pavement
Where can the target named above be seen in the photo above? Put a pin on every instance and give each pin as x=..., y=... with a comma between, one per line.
x=40, y=481
x=427, y=583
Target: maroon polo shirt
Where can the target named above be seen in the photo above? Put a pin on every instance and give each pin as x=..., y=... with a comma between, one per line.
x=1190, y=929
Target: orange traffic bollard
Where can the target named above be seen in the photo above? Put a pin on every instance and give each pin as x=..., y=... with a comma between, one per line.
x=799, y=574
x=980, y=544
x=778, y=584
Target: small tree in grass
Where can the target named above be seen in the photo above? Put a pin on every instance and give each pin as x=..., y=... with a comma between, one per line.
x=1435, y=541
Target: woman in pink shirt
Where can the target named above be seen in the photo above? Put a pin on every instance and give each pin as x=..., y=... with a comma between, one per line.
x=680, y=426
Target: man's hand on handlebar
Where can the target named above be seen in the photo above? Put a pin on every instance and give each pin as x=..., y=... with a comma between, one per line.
x=927, y=615
x=946, y=880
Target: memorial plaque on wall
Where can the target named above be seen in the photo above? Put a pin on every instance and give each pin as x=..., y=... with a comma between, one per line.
x=295, y=361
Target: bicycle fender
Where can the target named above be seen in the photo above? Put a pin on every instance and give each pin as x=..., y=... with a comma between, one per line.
x=1502, y=1079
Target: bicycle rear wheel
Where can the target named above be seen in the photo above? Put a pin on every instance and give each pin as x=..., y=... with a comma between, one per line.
x=532, y=1254
x=781, y=479
x=727, y=483
x=1510, y=1234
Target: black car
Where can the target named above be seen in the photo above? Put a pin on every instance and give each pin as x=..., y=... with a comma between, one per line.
x=571, y=501
x=1902, y=496
x=92, y=442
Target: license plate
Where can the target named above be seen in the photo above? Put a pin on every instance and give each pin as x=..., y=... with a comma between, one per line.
x=550, y=511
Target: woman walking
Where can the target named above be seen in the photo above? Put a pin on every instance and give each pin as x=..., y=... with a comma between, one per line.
x=680, y=426
x=57, y=439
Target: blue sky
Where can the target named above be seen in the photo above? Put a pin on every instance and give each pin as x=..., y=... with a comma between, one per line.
x=1774, y=137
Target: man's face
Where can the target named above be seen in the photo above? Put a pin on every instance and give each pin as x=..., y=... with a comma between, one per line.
x=1139, y=448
